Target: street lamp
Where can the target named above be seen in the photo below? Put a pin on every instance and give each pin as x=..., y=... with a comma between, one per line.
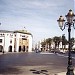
x=69, y=23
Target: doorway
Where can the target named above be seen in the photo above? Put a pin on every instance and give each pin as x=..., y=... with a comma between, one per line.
x=19, y=48
x=10, y=48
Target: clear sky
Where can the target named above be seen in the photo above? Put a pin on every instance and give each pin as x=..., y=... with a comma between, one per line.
x=38, y=16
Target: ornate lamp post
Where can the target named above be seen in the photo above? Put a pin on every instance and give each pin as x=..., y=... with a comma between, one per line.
x=69, y=23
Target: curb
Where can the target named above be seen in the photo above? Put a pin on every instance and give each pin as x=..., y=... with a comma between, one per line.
x=63, y=73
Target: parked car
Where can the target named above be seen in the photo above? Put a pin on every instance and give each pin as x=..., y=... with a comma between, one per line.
x=37, y=50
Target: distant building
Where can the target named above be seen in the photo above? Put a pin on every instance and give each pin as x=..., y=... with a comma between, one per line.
x=15, y=41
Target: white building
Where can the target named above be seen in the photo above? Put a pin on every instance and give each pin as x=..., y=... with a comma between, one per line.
x=15, y=41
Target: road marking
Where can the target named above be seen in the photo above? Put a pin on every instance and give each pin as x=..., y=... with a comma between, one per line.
x=64, y=56
x=57, y=54
x=46, y=53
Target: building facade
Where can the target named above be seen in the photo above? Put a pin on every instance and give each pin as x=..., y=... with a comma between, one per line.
x=15, y=41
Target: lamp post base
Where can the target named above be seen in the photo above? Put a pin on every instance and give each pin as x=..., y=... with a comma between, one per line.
x=70, y=71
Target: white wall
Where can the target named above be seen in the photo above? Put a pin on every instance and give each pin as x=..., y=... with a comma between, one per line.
x=17, y=42
x=12, y=44
x=30, y=43
x=7, y=42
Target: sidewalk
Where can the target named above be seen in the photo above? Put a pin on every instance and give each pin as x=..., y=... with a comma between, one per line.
x=41, y=70
x=1, y=53
x=33, y=70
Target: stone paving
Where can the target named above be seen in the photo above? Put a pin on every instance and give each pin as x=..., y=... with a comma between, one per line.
x=31, y=70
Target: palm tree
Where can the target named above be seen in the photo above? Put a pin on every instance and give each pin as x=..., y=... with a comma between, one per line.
x=43, y=45
x=57, y=41
x=64, y=41
x=72, y=42
x=48, y=41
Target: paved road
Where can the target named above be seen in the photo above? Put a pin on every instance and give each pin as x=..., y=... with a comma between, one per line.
x=32, y=63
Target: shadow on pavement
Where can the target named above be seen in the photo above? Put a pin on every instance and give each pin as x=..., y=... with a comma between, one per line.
x=10, y=70
x=45, y=72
